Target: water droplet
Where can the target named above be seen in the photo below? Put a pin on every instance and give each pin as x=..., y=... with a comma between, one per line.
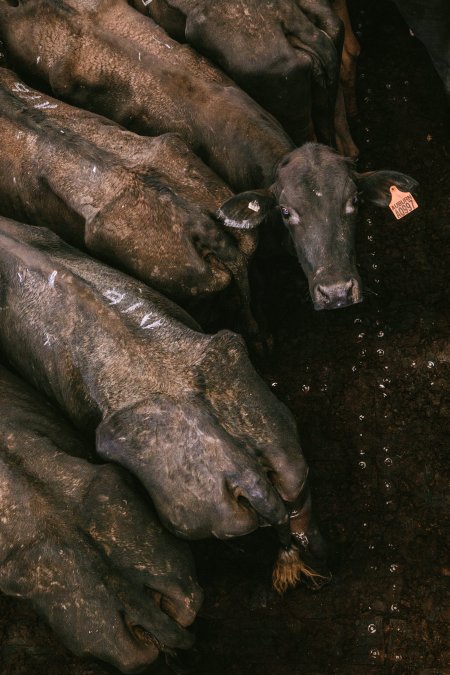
x=377, y=281
x=274, y=384
x=398, y=657
x=305, y=388
x=388, y=85
x=374, y=266
x=372, y=628
x=362, y=465
x=363, y=352
x=361, y=450
x=388, y=485
x=361, y=335
x=382, y=386
x=354, y=369
x=413, y=364
x=393, y=568
x=369, y=221
x=405, y=99
x=385, y=448
x=380, y=334
x=430, y=364
x=388, y=461
x=394, y=608
x=357, y=320
x=380, y=352
x=370, y=237
x=324, y=387
x=374, y=653
x=361, y=417
x=371, y=547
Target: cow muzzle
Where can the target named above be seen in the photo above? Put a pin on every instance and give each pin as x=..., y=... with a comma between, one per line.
x=336, y=295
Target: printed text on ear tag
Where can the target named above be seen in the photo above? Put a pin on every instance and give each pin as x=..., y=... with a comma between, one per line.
x=402, y=203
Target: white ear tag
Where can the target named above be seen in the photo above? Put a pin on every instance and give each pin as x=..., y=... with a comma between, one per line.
x=254, y=206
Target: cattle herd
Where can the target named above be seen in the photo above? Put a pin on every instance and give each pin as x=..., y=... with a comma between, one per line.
x=149, y=151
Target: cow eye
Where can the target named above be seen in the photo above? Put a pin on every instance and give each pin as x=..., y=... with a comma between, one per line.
x=285, y=212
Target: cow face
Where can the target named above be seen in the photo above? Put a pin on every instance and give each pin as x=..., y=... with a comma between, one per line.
x=317, y=192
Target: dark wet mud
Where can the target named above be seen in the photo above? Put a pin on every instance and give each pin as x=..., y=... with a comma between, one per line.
x=369, y=387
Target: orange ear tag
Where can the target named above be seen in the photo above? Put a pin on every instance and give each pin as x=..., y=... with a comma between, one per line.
x=402, y=203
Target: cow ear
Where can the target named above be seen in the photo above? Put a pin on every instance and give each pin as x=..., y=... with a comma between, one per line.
x=247, y=210
x=375, y=185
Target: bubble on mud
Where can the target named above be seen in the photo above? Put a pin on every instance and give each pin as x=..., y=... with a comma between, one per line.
x=380, y=352
x=374, y=653
x=377, y=281
x=385, y=448
x=362, y=450
x=365, y=525
x=394, y=608
x=413, y=364
x=354, y=369
x=305, y=388
x=430, y=364
x=374, y=266
x=370, y=237
x=371, y=547
x=388, y=461
x=429, y=137
x=362, y=76
x=386, y=379
x=393, y=567
x=382, y=386
x=384, y=394
x=361, y=417
x=431, y=384
x=369, y=221
x=357, y=320
x=366, y=99
x=372, y=253
x=406, y=83
x=380, y=334
x=405, y=99
x=366, y=129
x=363, y=352
x=367, y=140
x=372, y=628
x=274, y=384
x=362, y=465
x=324, y=387
x=388, y=485
x=388, y=85
x=398, y=657
x=361, y=335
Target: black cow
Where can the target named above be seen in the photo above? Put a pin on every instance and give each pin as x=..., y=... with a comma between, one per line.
x=183, y=411
x=81, y=544
x=285, y=54
x=108, y=56
x=145, y=204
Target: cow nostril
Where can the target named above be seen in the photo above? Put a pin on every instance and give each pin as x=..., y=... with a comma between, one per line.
x=322, y=294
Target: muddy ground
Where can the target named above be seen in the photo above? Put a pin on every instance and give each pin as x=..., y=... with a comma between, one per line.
x=369, y=387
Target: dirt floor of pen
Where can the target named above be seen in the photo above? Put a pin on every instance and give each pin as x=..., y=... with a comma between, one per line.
x=369, y=387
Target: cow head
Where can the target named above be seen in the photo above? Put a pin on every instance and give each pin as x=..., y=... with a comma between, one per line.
x=317, y=193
